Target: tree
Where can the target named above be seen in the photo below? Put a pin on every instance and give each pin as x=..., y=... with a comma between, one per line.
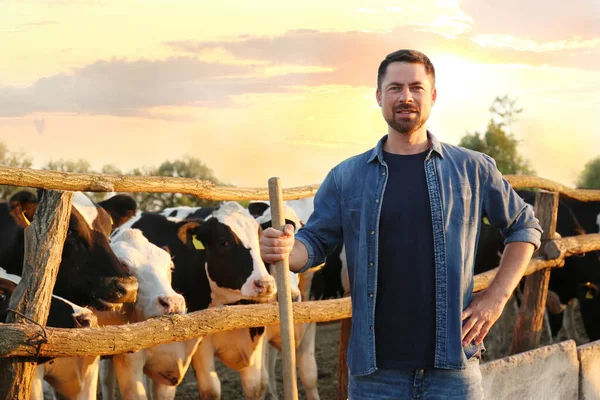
x=590, y=176
x=80, y=166
x=188, y=167
x=498, y=142
x=12, y=159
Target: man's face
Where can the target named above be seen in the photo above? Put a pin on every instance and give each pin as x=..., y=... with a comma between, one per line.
x=406, y=97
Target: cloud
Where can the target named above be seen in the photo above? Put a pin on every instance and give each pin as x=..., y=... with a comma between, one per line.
x=356, y=53
x=126, y=88
x=291, y=62
x=538, y=20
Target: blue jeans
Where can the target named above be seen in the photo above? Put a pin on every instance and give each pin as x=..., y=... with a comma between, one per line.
x=430, y=384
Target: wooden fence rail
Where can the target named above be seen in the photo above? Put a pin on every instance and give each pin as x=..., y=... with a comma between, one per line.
x=207, y=190
x=149, y=184
x=23, y=339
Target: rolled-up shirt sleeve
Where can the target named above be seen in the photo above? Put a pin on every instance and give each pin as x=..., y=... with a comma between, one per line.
x=507, y=211
x=323, y=230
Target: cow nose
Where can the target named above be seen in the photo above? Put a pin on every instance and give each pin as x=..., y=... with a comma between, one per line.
x=263, y=286
x=127, y=288
x=172, y=304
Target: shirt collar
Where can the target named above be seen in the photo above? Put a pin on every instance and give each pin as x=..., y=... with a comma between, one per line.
x=377, y=152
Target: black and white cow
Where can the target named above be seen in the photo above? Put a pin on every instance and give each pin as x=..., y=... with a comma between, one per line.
x=217, y=262
x=152, y=267
x=89, y=274
x=246, y=351
x=70, y=377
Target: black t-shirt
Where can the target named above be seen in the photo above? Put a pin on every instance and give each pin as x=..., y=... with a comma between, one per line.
x=405, y=304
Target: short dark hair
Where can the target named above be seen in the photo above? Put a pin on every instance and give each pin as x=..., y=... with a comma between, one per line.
x=407, y=56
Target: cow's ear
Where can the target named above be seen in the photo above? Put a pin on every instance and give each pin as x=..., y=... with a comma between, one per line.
x=185, y=232
x=22, y=207
x=257, y=209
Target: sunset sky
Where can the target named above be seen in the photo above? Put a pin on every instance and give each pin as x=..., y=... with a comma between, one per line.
x=257, y=89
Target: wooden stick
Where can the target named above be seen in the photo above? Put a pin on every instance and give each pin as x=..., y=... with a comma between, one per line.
x=530, y=319
x=44, y=240
x=284, y=297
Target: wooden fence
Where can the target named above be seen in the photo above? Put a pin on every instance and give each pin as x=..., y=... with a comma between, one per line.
x=23, y=338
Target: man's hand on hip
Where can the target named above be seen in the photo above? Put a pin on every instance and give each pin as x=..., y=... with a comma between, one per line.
x=480, y=315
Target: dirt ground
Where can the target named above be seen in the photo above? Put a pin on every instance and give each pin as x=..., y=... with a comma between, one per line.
x=326, y=352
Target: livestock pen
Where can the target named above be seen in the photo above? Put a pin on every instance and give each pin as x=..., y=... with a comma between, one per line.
x=25, y=338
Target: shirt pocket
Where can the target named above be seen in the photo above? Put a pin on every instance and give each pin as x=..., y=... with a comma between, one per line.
x=462, y=209
x=351, y=212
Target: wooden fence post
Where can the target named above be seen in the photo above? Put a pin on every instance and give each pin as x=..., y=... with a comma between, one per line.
x=531, y=314
x=44, y=240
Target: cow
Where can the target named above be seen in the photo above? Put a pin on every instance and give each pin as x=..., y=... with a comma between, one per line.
x=152, y=267
x=71, y=377
x=568, y=282
x=89, y=274
x=217, y=262
x=120, y=207
x=587, y=212
x=246, y=351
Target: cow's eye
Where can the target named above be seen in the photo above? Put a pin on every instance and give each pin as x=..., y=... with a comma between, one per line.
x=224, y=243
x=2, y=297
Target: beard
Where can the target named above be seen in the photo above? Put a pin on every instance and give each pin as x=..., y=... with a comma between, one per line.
x=406, y=126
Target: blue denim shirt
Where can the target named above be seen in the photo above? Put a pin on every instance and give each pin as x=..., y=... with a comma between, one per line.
x=463, y=186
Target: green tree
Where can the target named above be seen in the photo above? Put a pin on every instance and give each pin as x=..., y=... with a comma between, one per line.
x=111, y=169
x=80, y=166
x=498, y=142
x=12, y=159
x=188, y=167
x=590, y=176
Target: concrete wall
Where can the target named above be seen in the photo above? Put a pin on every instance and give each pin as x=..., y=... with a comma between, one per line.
x=589, y=359
x=550, y=372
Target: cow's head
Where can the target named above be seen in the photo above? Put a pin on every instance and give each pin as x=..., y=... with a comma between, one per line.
x=120, y=207
x=152, y=267
x=235, y=270
x=22, y=207
x=90, y=274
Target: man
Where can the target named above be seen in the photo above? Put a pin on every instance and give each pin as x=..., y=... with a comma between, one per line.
x=409, y=213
